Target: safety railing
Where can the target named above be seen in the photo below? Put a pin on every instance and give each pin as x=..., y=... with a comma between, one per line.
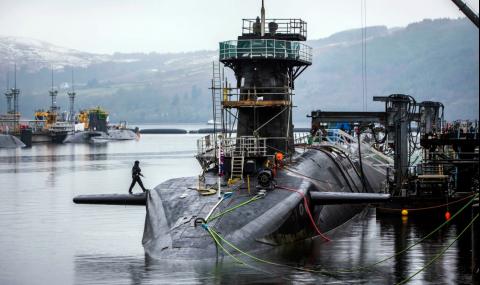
x=303, y=138
x=283, y=26
x=350, y=144
x=425, y=169
x=206, y=146
x=258, y=96
x=246, y=146
x=265, y=48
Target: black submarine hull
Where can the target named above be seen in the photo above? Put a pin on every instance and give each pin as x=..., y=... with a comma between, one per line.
x=279, y=218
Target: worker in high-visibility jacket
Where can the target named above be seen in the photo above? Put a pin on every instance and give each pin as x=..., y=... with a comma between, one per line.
x=278, y=163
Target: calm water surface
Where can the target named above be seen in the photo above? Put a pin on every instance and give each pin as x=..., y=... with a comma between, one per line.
x=46, y=239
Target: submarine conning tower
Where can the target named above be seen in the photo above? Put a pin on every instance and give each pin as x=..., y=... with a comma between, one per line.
x=266, y=59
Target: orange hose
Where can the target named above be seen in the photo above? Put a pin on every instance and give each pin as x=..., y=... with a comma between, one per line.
x=307, y=209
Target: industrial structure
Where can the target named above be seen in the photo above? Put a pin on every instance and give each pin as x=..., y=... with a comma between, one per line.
x=10, y=120
x=71, y=100
x=431, y=162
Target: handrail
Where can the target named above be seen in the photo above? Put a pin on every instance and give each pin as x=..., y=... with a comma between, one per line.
x=284, y=26
x=343, y=138
x=246, y=145
x=265, y=48
x=255, y=94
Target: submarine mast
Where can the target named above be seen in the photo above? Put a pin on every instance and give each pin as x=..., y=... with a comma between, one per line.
x=266, y=59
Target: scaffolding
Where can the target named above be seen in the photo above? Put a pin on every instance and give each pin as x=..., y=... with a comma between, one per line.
x=293, y=28
x=226, y=101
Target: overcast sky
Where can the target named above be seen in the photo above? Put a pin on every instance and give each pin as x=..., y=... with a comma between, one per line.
x=106, y=26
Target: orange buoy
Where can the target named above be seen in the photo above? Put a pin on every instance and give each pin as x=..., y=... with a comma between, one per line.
x=404, y=212
x=447, y=215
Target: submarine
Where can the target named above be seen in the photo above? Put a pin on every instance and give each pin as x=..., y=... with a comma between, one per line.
x=257, y=189
x=97, y=130
x=261, y=187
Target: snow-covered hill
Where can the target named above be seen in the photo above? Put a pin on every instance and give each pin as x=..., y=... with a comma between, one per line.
x=34, y=54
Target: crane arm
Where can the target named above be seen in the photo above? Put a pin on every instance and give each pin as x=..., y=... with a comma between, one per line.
x=467, y=11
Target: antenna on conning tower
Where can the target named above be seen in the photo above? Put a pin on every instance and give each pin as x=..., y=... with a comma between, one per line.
x=262, y=15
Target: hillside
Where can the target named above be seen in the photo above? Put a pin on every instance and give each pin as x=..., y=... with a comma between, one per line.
x=431, y=60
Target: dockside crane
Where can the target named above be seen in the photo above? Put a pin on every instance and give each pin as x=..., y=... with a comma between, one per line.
x=467, y=11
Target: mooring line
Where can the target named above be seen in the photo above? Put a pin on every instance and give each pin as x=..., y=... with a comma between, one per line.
x=215, y=236
x=439, y=254
x=255, y=198
x=427, y=208
x=366, y=268
x=218, y=237
x=267, y=261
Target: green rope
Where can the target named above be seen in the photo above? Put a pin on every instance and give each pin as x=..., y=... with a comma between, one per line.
x=219, y=244
x=334, y=272
x=233, y=208
x=439, y=254
x=264, y=260
x=412, y=245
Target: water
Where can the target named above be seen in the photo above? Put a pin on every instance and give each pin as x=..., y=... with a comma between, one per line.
x=46, y=239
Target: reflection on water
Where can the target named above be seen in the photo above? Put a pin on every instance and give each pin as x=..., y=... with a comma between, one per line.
x=46, y=239
x=362, y=242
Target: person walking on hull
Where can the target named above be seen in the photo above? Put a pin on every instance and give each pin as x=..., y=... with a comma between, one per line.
x=136, y=173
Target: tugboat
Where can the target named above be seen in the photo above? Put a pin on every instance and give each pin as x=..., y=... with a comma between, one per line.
x=94, y=129
x=266, y=192
x=50, y=126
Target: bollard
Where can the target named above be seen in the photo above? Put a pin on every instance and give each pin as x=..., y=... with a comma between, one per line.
x=475, y=245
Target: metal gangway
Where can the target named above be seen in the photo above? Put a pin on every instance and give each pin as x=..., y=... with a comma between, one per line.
x=349, y=144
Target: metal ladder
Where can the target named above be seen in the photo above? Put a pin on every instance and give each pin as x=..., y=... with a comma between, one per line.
x=237, y=165
x=217, y=95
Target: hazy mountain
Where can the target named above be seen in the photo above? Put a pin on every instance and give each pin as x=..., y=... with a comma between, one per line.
x=35, y=55
x=431, y=60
